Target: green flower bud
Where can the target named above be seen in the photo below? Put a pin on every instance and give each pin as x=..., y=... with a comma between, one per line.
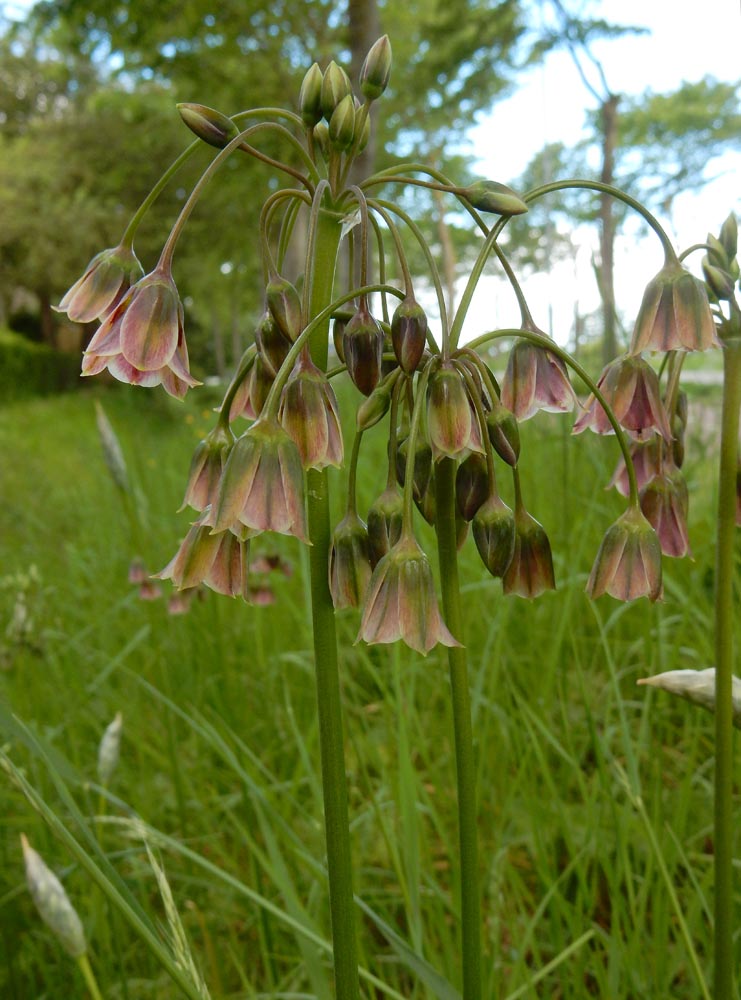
x=209, y=125
x=284, y=304
x=493, y=529
x=449, y=417
x=342, y=124
x=310, y=97
x=272, y=344
x=491, y=196
x=409, y=333
x=338, y=332
x=363, y=349
x=422, y=466
x=471, y=485
x=385, y=518
x=335, y=87
x=374, y=76
x=719, y=282
x=717, y=252
x=729, y=236
x=375, y=407
x=504, y=432
x=321, y=139
x=362, y=129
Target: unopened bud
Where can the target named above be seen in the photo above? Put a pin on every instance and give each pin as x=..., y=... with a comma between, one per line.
x=375, y=407
x=449, y=420
x=409, y=333
x=338, y=332
x=363, y=348
x=384, y=523
x=493, y=529
x=272, y=343
x=310, y=97
x=52, y=902
x=717, y=252
x=422, y=472
x=335, y=87
x=729, y=236
x=342, y=124
x=471, y=485
x=209, y=125
x=260, y=382
x=284, y=304
x=362, y=129
x=491, y=196
x=719, y=282
x=374, y=76
x=110, y=750
x=349, y=563
x=321, y=139
x=504, y=432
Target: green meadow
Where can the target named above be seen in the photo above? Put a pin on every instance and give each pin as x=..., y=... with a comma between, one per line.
x=595, y=795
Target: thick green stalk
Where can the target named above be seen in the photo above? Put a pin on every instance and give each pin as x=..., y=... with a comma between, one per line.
x=724, y=619
x=464, y=755
x=334, y=780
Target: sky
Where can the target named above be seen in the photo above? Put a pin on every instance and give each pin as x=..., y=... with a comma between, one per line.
x=687, y=41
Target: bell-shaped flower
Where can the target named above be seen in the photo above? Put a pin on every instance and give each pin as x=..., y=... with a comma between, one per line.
x=141, y=341
x=530, y=571
x=494, y=533
x=665, y=504
x=262, y=485
x=535, y=379
x=206, y=467
x=647, y=459
x=674, y=314
x=310, y=415
x=631, y=389
x=105, y=281
x=220, y=561
x=401, y=602
x=349, y=562
x=628, y=564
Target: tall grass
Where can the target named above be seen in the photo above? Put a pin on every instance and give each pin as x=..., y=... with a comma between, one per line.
x=595, y=797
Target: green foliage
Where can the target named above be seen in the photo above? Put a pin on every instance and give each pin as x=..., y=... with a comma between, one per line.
x=28, y=369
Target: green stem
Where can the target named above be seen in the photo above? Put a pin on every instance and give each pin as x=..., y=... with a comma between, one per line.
x=464, y=752
x=334, y=779
x=724, y=619
x=89, y=976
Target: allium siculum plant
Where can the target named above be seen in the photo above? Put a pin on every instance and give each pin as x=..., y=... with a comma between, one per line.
x=451, y=427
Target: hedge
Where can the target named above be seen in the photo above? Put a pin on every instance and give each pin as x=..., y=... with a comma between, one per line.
x=29, y=369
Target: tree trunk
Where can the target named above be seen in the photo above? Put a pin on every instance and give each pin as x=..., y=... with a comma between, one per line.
x=607, y=226
x=364, y=29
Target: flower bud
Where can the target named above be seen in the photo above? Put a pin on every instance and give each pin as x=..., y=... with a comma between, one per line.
x=374, y=76
x=338, y=333
x=209, y=125
x=471, y=485
x=401, y=602
x=422, y=466
x=335, y=87
x=491, y=196
x=719, y=281
x=284, y=304
x=729, y=236
x=375, y=407
x=349, y=562
x=717, y=253
x=530, y=571
x=628, y=564
x=493, y=529
x=362, y=129
x=206, y=467
x=409, y=333
x=504, y=432
x=385, y=519
x=53, y=903
x=260, y=383
x=310, y=97
x=321, y=139
x=342, y=124
x=110, y=750
x=427, y=505
x=272, y=343
x=674, y=314
x=309, y=413
x=362, y=343
x=449, y=422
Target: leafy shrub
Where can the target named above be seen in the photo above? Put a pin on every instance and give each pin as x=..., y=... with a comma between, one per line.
x=28, y=369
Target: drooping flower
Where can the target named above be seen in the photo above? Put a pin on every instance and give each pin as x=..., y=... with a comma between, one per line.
x=206, y=467
x=385, y=517
x=409, y=333
x=401, y=602
x=362, y=348
x=665, y=502
x=631, y=389
x=530, y=571
x=647, y=460
x=105, y=281
x=674, y=314
x=220, y=561
x=494, y=533
x=471, y=485
x=262, y=484
x=310, y=415
x=628, y=564
x=535, y=379
x=451, y=421
x=141, y=340
x=349, y=562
